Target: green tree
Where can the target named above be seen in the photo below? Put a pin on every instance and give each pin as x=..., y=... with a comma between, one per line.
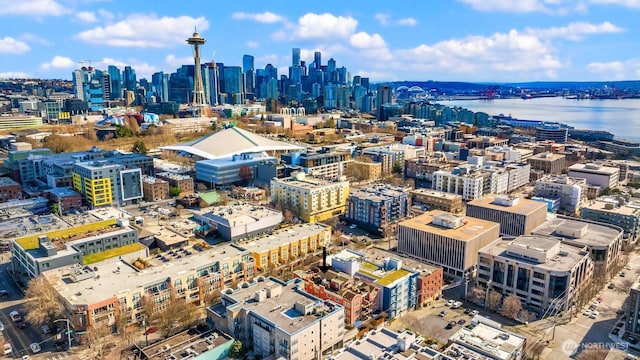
x=139, y=147
x=174, y=191
x=55, y=209
x=237, y=350
x=122, y=132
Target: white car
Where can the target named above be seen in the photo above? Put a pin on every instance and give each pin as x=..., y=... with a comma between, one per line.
x=35, y=348
x=450, y=303
x=595, y=303
x=353, y=226
x=15, y=316
x=8, y=349
x=628, y=267
x=474, y=312
x=594, y=314
x=587, y=312
x=456, y=305
x=1, y=326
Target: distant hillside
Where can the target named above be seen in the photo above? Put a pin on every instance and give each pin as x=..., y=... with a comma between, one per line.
x=466, y=87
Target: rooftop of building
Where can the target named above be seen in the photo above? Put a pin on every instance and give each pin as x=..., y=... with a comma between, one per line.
x=547, y=156
x=152, y=180
x=378, y=255
x=612, y=205
x=509, y=203
x=62, y=192
x=7, y=181
x=117, y=277
x=173, y=176
x=382, y=276
x=499, y=343
x=471, y=228
x=237, y=214
x=436, y=193
x=237, y=160
x=282, y=237
x=30, y=225
x=378, y=192
x=185, y=346
x=303, y=181
x=276, y=301
x=571, y=255
x=594, y=168
x=579, y=231
x=561, y=179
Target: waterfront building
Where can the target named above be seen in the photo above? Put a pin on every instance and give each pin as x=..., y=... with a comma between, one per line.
x=378, y=205
x=615, y=211
x=437, y=200
x=537, y=269
x=552, y=132
x=310, y=199
x=239, y=220
x=516, y=216
x=603, y=176
x=443, y=239
x=603, y=241
x=276, y=318
x=550, y=163
x=572, y=192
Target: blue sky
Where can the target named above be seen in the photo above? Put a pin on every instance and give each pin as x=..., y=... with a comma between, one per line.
x=463, y=40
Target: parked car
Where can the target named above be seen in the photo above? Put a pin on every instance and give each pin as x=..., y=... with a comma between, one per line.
x=462, y=322
x=450, y=325
x=442, y=313
x=1, y=326
x=21, y=325
x=46, y=329
x=628, y=267
x=7, y=349
x=623, y=274
x=611, y=286
x=587, y=312
x=450, y=303
x=4, y=294
x=474, y=312
x=353, y=226
x=35, y=348
x=594, y=314
x=456, y=305
x=15, y=316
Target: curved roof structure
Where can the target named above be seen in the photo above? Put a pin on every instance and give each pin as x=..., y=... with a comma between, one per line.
x=228, y=142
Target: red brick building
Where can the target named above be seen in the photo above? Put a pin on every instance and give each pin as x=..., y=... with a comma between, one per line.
x=66, y=197
x=9, y=189
x=359, y=299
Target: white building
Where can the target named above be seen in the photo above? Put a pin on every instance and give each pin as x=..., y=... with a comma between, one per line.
x=240, y=220
x=485, y=342
x=602, y=176
x=465, y=181
x=572, y=192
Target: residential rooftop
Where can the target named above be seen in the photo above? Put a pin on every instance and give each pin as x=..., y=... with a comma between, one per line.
x=238, y=214
x=7, y=181
x=283, y=237
x=378, y=255
x=185, y=346
x=471, y=228
x=62, y=192
x=279, y=303
x=499, y=343
x=116, y=277
x=436, y=193
x=594, y=169
x=300, y=180
x=613, y=206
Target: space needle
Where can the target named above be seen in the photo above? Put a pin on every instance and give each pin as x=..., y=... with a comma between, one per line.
x=199, y=100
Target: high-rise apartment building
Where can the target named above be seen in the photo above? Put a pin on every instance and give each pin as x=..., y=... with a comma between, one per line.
x=248, y=69
x=129, y=78
x=115, y=76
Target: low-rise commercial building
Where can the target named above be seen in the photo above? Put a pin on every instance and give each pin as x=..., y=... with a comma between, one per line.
x=275, y=318
x=154, y=189
x=310, y=199
x=236, y=169
x=446, y=240
x=180, y=181
x=486, y=342
x=240, y=220
x=438, y=200
x=516, y=216
x=9, y=189
x=537, y=269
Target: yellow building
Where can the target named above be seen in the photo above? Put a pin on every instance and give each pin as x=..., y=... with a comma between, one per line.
x=288, y=245
x=310, y=199
x=97, y=192
x=361, y=170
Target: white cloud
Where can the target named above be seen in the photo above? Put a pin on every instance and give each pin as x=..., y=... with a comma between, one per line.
x=576, y=30
x=324, y=26
x=560, y=7
x=383, y=19
x=626, y=3
x=144, y=31
x=9, y=45
x=252, y=44
x=86, y=16
x=616, y=70
x=105, y=15
x=33, y=38
x=407, y=21
x=266, y=17
x=362, y=40
x=176, y=62
x=14, y=75
x=143, y=69
x=32, y=8
x=58, y=62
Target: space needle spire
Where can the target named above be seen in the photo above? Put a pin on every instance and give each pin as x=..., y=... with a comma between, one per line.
x=199, y=100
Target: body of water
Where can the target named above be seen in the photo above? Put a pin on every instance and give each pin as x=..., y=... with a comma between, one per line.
x=619, y=117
